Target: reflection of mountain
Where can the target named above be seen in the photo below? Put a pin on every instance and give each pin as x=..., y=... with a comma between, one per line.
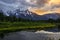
x=26, y=14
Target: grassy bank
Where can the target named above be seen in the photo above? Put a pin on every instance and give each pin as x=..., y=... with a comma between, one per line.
x=24, y=25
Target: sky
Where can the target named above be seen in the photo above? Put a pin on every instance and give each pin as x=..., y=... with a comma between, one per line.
x=40, y=7
x=46, y=6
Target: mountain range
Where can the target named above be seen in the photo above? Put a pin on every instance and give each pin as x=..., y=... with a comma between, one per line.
x=26, y=14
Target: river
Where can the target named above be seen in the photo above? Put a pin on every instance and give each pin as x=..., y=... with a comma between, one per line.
x=29, y=35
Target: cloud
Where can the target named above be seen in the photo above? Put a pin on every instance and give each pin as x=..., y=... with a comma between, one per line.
x=32, y=3
x=24, y=3
x=11, y=5
x=41, y=2
x=37, y=3
x=44, y=5
x=52, y=4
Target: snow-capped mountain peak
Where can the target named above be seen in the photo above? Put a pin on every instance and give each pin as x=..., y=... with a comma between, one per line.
x=26, y=14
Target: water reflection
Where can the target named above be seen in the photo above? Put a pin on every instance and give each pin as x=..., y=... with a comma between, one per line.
x=25, y=35
x=49, y=34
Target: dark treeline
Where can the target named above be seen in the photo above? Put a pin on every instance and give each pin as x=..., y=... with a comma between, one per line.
x=4, y=18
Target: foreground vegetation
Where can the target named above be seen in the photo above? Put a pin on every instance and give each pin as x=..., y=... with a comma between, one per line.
x=24, y=25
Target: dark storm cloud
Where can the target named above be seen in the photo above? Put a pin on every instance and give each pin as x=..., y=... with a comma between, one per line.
x=14, y=4
x=38, y=3
x=41, y=2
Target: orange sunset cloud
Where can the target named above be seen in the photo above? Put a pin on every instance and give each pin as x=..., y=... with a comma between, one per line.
x=41, y=11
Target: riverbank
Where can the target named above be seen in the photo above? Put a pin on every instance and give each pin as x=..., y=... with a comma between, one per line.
x=11, y=26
